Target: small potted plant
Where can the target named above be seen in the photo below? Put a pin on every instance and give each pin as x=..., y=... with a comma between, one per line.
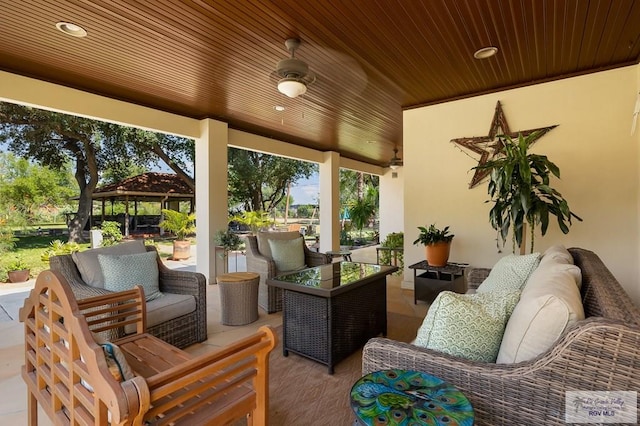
x=437, y=244
x=229, y=241
x=18, y=270
x=181, y=225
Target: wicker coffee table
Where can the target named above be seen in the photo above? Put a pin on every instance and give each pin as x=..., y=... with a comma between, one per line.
x=332, y=310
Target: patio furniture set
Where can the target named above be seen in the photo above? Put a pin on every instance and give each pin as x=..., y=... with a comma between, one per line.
x=329, y=311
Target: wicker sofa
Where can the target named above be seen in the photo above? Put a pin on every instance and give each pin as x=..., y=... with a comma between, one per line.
x=270, y=298
x=180, y=331
x=599, y=353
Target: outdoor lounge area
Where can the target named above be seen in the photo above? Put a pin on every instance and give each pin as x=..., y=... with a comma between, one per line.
x=485, y=118
x=285, y=406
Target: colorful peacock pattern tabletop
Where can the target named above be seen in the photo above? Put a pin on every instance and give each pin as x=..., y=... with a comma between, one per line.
x=404, y=398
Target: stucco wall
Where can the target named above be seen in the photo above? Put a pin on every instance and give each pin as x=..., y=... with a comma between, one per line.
x=592, y=146
x=391, y=202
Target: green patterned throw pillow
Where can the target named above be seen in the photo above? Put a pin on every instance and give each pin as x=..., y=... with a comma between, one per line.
x=467, y=325
x=123, y=272
x=510, y=273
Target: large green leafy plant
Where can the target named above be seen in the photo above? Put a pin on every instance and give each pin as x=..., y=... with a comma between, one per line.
x=520, y=192
x=179, y=223
x=255, y=220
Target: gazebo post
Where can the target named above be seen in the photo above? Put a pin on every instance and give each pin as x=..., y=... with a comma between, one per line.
x=126, y=216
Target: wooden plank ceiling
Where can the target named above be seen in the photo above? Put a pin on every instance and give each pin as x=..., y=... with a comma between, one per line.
x=372, y=58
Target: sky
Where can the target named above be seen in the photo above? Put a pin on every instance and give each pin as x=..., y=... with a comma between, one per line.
x=306, y=191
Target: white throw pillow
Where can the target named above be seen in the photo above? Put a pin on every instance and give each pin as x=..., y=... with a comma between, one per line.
x=467, y=325
x=288, y=254
x=549, y=303
x=87, y=261
x=557, y=253
x=510, y=273
x=558, y=258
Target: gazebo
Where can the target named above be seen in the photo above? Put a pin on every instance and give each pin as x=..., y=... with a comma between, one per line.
x=165, y=188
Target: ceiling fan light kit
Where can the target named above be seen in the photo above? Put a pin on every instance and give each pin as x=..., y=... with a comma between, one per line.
x=291, y=87
x=294, y=73
x=395, y=161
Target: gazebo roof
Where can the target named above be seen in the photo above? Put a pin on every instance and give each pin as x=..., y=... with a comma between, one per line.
x=151, y=185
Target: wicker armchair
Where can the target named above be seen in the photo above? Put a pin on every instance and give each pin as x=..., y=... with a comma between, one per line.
x=270, y=298
x=182, y=331
x=599, y=353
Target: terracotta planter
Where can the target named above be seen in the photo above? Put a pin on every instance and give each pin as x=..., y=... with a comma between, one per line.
x=18, y=276
x=181, y=250
x=438, y=253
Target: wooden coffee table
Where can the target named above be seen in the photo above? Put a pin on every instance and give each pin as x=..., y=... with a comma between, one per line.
x=332, y=310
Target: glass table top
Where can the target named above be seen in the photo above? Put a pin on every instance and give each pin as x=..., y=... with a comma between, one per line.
x=333, y=275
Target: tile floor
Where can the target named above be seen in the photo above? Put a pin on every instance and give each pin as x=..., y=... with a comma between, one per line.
x=13, y=398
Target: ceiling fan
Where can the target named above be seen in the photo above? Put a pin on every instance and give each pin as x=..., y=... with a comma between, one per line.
x=294, y=74
x=395, y=161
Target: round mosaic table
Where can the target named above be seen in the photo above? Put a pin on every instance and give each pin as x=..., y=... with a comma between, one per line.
x=404, y=397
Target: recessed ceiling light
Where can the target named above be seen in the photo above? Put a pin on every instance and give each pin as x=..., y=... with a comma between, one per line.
x=485, y=52
x=71, y=29
x=278, y=108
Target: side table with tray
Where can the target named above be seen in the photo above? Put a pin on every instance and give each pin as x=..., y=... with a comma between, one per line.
x=435, y=279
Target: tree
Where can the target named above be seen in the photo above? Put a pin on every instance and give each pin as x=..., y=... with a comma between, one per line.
x=359, y=193
x=259, y=181
x=27, y=189
x=54, y=139
x=362, y=210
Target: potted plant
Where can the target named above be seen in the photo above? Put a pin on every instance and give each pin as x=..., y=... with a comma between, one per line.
x=437, y=244
x=18, y=270
x=520, y=192
x=181, y=225
x=228, y=241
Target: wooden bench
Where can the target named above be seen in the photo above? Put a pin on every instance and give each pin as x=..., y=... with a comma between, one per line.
x=66, y=371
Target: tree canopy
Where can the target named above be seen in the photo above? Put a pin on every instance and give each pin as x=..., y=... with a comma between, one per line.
x=27, y=188
x=91, y=147
x=258, y=182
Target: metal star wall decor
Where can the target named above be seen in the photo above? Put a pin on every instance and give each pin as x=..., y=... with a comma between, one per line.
x=489, y=147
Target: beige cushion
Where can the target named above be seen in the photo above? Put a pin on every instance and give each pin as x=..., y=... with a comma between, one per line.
x=288, y=254
x=166, y=308
x=557, y=253
x=558, y=261
x=549, y=303
x=89, y=267
x=264, y=237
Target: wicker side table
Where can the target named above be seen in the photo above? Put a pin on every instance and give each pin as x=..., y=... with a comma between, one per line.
x=238, y=297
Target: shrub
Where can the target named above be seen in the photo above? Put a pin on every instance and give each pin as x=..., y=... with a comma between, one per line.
x=111, y=233
x=393, y=240
x=58, y=248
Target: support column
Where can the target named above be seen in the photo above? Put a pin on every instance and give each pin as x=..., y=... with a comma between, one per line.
x=211, y=193
x=330, y=202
